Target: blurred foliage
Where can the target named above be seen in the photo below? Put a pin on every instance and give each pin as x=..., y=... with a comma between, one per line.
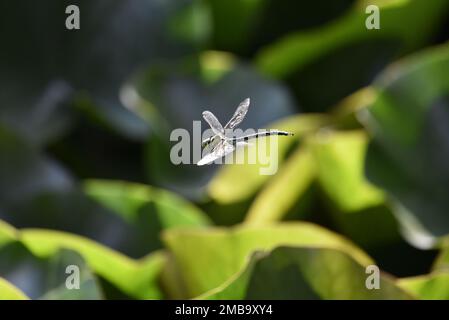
x=404, y=148
x=305, y=273
x=205, y=267
x=86, y=179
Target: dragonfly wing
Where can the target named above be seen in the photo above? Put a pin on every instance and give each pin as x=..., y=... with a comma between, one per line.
x=220, y=150
x=239, y=114
x=214, y=124
x=227, y=149
x=210, y=140
x=209, y=147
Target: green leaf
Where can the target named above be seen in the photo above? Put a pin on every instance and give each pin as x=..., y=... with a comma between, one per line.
x=244, y=26
x=75, y=212
x=276, y=199
x=207, y=258
x=441, y=263
x=433, y=286
x=345, y=112
x=223, y=188
x=305, y=273
x=131, y=215
x=408, y=155
x=149, y=209
x=358, y=207
x=297, y=50
x=316, y=62
x=7, y=233
x=340, y=158
x=58, y=276
x=138, y=278
x=9, y=292
x=88, y=285
x=46, y=277
x=128, y=198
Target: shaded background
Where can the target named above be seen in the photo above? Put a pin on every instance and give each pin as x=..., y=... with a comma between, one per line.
x=369, y=160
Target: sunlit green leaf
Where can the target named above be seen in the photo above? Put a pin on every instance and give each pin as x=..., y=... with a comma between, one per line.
x=299, y=49
x=358, y=207
x=223, y=187
x=130, y=200
x=7, y=233
x=434, y=286
x=340, y=158
x=305, y=273
x=441, y=263
x=135, y=277
x=284, y=189
x=9, y=292
x=207, y=258
x=138, y=278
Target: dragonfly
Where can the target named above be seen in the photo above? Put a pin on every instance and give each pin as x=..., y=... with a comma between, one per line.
x=220, y=145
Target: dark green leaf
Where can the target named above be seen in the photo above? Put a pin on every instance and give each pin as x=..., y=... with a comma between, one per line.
x=409, y=153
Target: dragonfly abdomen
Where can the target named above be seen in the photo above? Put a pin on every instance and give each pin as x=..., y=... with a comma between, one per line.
x=261, y=134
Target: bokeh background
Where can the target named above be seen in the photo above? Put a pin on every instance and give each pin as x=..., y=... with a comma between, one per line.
x=86, y=178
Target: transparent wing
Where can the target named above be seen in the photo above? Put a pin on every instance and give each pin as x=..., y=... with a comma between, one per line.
x=209, y=147
x=209, y=140
x=239, y=114
x=220, y=150
x=206, y=142
x=213, y=122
